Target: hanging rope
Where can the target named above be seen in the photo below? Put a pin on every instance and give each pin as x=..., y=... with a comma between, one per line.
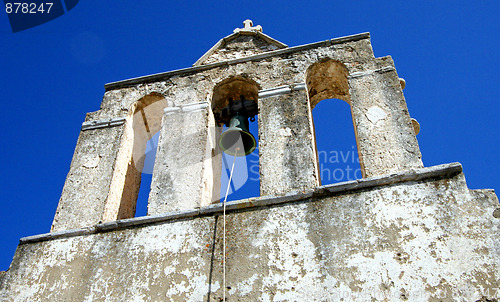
x=224, y=235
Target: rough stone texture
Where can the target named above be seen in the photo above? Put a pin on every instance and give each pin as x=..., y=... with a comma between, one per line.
x=242, y=46
x=384, y=131
x=430, y=240
x=183, y=173
x=242, y=43
x=393, y=244
x=104, y=179
x=287, y=154
x=414, y=175
x=117, y=266
x=87, y=184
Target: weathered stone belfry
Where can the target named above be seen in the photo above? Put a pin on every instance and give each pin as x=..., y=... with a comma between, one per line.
x=286, y=91
x=402, y=232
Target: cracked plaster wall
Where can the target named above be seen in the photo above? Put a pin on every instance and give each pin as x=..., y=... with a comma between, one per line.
x=431, y=240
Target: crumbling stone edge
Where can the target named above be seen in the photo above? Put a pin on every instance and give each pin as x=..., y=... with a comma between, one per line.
x=435, y=172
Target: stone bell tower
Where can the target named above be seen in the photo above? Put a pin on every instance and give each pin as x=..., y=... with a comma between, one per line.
x=403, y=232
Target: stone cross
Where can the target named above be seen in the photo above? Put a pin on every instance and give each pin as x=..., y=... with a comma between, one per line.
x=248, y=27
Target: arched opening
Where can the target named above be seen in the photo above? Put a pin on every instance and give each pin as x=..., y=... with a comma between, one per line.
x=246, y=177
x=327, y=79
x=135, y=159
x=233, y=96
x=336, y=146
x=147, y=175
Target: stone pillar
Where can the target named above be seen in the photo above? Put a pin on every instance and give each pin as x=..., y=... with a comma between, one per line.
x=87, y=185
x=286, y=144
x=385, y=135
x=186, y=171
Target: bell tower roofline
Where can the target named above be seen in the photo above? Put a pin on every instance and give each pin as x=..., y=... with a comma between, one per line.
x=256, y=43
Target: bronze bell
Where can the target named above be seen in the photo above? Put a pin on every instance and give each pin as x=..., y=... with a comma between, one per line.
x=237, y=139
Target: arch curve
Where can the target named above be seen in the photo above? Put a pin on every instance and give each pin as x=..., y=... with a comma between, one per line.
x=327, y=79
x=143, y=121
x=233, y=88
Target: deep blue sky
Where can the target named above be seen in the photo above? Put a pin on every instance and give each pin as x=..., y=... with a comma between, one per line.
x=55, y=73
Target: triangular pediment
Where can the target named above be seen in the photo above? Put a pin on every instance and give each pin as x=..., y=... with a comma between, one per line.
x=244, y=42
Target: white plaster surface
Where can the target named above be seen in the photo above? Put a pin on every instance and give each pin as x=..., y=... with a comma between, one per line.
x=413, y=241
x=375, y=114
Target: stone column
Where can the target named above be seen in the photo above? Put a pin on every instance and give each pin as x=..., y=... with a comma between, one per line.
x=287, y=154
x=385, y=136
x=88, y=182
x=186, y=168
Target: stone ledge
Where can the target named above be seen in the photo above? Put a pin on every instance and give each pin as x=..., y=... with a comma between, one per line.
x=369, y=72
x=435, y=172
x=90, y=125
x=164, y=75
x=285, y=89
